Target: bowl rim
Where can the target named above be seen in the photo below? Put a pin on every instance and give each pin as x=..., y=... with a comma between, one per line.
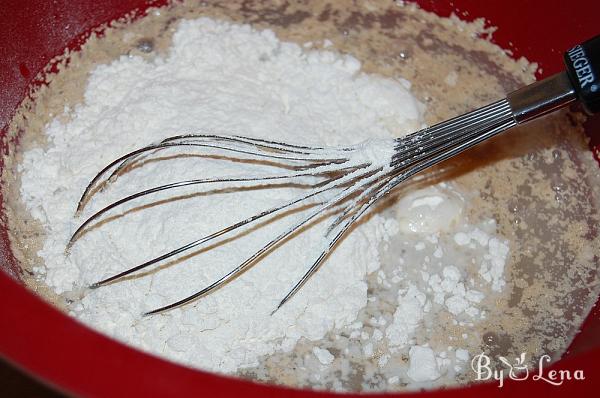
x=71, y=357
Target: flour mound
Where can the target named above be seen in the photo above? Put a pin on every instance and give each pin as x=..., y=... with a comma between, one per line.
x=224, y=79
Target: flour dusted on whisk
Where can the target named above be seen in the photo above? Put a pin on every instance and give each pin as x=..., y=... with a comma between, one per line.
x=224, y=79
x=377, y=152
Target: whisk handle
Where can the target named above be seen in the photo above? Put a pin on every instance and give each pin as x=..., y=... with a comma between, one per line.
x=541, y=97
x=581, y=81
x=583, y=69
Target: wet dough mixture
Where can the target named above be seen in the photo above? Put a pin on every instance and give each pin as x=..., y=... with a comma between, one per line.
x=543, y=210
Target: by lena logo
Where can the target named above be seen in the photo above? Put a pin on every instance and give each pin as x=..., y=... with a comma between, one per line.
x=518, y=370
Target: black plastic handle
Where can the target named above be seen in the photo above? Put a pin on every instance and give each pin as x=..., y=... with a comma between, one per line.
x=583, y=69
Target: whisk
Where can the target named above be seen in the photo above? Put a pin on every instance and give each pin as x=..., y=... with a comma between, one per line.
x=348, y=179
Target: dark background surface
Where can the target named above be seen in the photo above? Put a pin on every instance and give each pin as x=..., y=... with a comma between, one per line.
x=14, y=383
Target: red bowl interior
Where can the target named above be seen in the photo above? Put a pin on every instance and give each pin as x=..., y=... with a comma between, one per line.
x=73, y=358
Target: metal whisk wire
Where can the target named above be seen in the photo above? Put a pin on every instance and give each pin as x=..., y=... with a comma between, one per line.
x=349, y=182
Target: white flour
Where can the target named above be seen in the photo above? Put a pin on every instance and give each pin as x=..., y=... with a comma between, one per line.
x=224, y=79
x=230, y=79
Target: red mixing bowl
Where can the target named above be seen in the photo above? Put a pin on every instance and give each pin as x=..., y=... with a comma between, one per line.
x=73, y=358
